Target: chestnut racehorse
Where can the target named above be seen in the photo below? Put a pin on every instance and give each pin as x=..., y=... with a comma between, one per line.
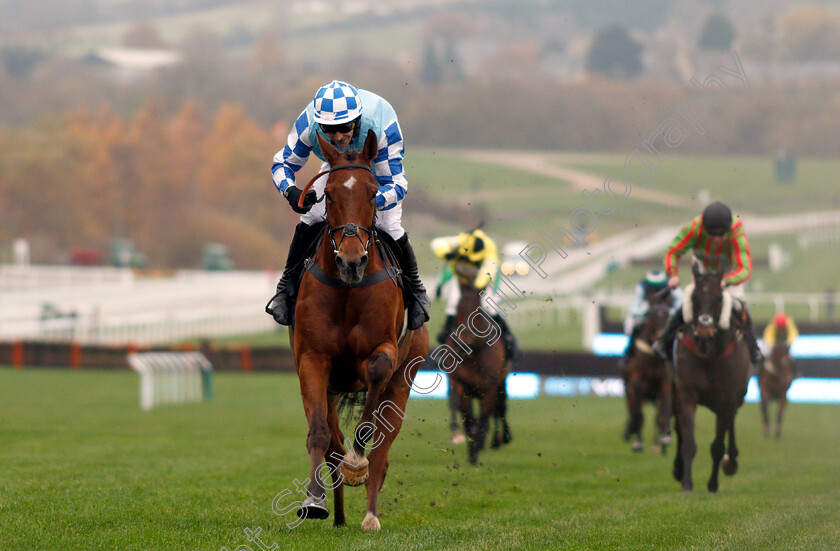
x=774, y=379
x=347, y=338
x=646, y=377
x=712, y=368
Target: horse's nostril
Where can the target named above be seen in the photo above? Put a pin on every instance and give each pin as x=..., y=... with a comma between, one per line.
x=339, y=261
x=706, y=320
x=363, y=260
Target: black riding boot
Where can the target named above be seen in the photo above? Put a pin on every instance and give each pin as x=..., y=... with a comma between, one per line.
x=512, y=351
x=281, y=306
x=448, y=327
x=749, y=337
x=664, y=345
x=419, y=304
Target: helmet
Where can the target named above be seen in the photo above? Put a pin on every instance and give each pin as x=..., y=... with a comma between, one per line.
x=337, y=102
x=717, y=218
x=780, y=320
x=655, y=280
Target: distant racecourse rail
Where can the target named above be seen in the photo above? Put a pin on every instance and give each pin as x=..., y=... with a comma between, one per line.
x=23, y=354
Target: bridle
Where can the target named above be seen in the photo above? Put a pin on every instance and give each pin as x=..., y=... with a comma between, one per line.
x=350, y=230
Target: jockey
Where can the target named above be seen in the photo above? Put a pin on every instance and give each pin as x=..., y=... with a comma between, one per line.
x=715, y=232
x=653, y=282
x=477, y=249
x=780, y=321
x=343, y=115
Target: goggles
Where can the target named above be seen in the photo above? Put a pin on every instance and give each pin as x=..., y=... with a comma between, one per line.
x=345, y=128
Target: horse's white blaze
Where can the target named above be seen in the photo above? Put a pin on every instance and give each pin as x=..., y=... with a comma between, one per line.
x=349, y=183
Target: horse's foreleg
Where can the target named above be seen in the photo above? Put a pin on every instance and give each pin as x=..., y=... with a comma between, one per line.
x=502, y=434
x=470, y=424
x=378, y=370
x=637, y=416
x=389, y=416
x=764, y=414
x=718, y=447
x=664, y=414
x=313, y=391
x=487, y=407
x=335, y=453
x=730, y=460
x=687, y=445
x=782, y=405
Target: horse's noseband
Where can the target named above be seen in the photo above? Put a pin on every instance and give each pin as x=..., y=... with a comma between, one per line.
x=706, y=320
x=350, y=230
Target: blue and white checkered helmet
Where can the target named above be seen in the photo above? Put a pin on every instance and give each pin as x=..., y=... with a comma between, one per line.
x=337, y=102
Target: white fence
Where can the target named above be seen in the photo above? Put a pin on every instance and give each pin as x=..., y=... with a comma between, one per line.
x=559, y=312
x=118, y=306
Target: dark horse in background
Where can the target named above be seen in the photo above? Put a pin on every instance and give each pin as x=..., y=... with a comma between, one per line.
x=646, y=377
x=774, y=379
x=711, y=368
x=482, y=370
x=347, y=339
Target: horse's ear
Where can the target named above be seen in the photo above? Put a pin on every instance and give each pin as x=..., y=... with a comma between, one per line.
x=369, y=150
x=331, y=154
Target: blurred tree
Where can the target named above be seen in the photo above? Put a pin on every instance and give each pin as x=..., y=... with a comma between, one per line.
x=454, y=70
x=810, y=32
x=18, y=61
x=431, y=71
x=614, y=53
x=143, y=35
x=268, y=54
x=717, y=33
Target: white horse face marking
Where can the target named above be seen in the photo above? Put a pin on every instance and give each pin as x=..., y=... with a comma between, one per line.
x=349, y=183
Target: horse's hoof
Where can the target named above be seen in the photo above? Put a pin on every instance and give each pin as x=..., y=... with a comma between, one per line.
x=637, y=447
x=314, y=507
x=729, y=465
x=354, y=469
x=665, y=440
x=371, y=523
x=472, y=457
x=713, y=487
x=497, y=442
x=457, y=437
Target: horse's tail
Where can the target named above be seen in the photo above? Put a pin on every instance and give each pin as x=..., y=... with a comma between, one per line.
x=350, y=404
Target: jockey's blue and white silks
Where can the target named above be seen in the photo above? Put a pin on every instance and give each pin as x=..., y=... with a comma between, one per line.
x=377, y=115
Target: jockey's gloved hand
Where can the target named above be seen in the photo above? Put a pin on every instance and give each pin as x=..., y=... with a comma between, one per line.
x=293, y=196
